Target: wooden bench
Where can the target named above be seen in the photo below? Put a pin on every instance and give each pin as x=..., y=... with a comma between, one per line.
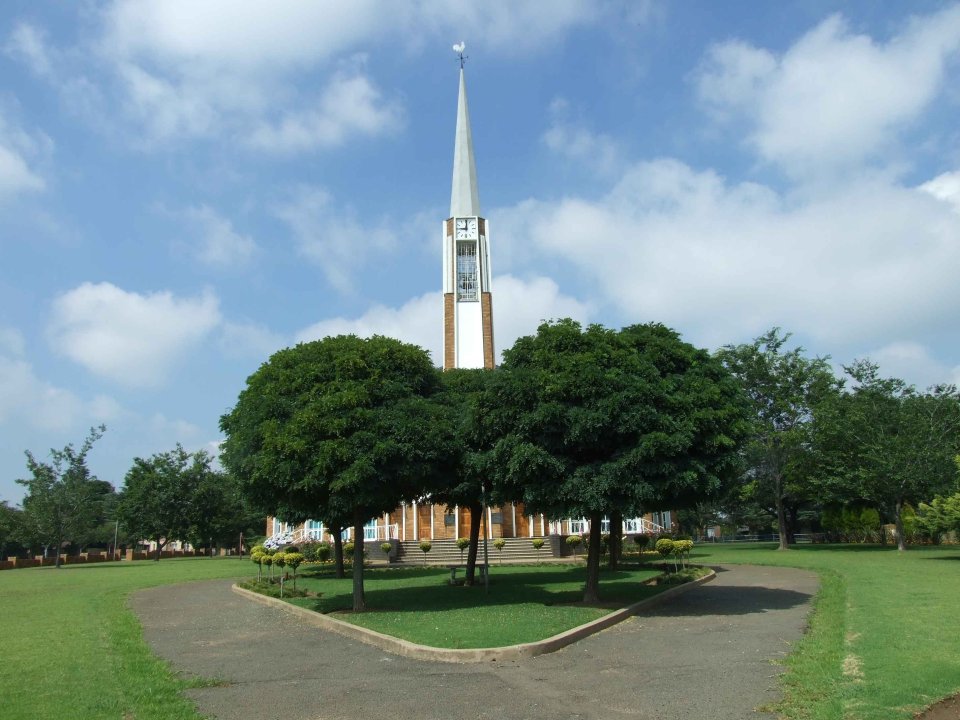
x=453, y=571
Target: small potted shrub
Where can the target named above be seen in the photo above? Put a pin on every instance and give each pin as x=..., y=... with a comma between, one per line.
x=499, y=544
x=386, y=548
x=574, y=541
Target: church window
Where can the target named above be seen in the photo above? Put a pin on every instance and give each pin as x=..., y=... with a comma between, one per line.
x=467, y=280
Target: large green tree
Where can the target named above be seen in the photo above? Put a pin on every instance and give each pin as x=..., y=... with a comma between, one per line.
x=11, y=520
x=162, y=497
x=470, y=484
x=889, y=445
x=591, y=422
x=341, y=428
x=64, y=500
x=784, y=387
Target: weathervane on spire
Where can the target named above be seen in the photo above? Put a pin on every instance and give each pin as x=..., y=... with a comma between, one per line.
x=458, y=49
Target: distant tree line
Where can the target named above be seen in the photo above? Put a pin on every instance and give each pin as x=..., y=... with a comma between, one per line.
x=576, y=421
x=173, y=495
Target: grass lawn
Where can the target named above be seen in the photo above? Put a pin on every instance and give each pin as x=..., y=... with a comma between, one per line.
x=72, y=649
x=525, y=603
x=883, y=641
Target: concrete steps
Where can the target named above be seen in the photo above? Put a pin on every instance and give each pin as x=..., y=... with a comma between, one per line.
x=445, y=552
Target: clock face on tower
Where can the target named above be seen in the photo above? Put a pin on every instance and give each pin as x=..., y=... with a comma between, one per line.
x=466, y=228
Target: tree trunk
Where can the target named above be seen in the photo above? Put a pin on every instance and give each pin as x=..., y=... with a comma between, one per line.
x=476, y=514
x=591, y=591
x=59, y=548
x=616, y=536
x=337, y=532
x=898, y=523
x=159, y=549
x=781, y=514
x=359, y=601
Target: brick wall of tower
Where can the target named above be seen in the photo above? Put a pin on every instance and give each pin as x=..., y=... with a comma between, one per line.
x=486, y=320
x=449, y=333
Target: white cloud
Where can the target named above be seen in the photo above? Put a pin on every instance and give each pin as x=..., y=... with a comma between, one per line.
x=835, y=98
x=519, y=306
x=914, y=362
x=219, y=244
x=724, y=261
x=245, y=340
x=28, y=44
x=20, y=151
x=180, y=69
x=332, y=237
x=129, y=338
x=349, y=105
x=25, y=398
x=576, y=142
x=945, y=187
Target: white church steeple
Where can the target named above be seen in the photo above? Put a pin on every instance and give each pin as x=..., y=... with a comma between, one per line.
x=464, y=197
x=467, y=302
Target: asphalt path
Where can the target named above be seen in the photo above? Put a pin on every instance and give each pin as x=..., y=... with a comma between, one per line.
x=710, y=653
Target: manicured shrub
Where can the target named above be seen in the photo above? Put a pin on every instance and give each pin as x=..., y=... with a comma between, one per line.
x=387, y=548
x=268, y=561
x=499, y=544
x=293, y=560
x=425, y=547
x=537, y=545
x=322, y=552
x=642, y=541
x=257, y=555
x=574, y=541
x=681, y=550
x=664, y=546
x=462, y=544
x=604, y=543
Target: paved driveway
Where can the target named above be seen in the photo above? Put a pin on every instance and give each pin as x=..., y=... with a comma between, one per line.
x=709, y=654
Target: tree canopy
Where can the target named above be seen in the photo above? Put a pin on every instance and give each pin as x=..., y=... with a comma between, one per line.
x=64, y=500
x=164, y=497
x=888, y=444
x=343, y=429
x=784, y=388
x=590, y=422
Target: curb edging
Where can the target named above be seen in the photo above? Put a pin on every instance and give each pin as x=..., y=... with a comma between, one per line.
x=405, y=648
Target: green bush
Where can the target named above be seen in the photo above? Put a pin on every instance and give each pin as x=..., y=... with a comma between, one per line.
x=322, y=552
x=386, y=548
x=537, y=544
x=664, y=546
x=348, y=549
x=462, y=544
x=574, y=541
x=425, y=547
x=499, y=544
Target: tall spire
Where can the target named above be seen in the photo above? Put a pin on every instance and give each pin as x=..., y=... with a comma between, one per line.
x=465, y=197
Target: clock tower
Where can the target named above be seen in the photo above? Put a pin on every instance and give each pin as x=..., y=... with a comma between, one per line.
x=467, y=303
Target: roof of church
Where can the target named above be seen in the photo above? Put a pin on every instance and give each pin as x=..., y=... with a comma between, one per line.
x=464, y=197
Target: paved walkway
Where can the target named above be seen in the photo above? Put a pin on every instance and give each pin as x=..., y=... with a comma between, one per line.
x=707, y=654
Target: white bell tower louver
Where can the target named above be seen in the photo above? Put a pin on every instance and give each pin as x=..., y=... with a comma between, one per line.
x=467, y=302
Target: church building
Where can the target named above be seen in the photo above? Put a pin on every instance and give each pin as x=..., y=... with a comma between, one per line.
x=468, y=342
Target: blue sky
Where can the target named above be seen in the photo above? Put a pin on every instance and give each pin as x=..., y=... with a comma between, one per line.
x=186, y=187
